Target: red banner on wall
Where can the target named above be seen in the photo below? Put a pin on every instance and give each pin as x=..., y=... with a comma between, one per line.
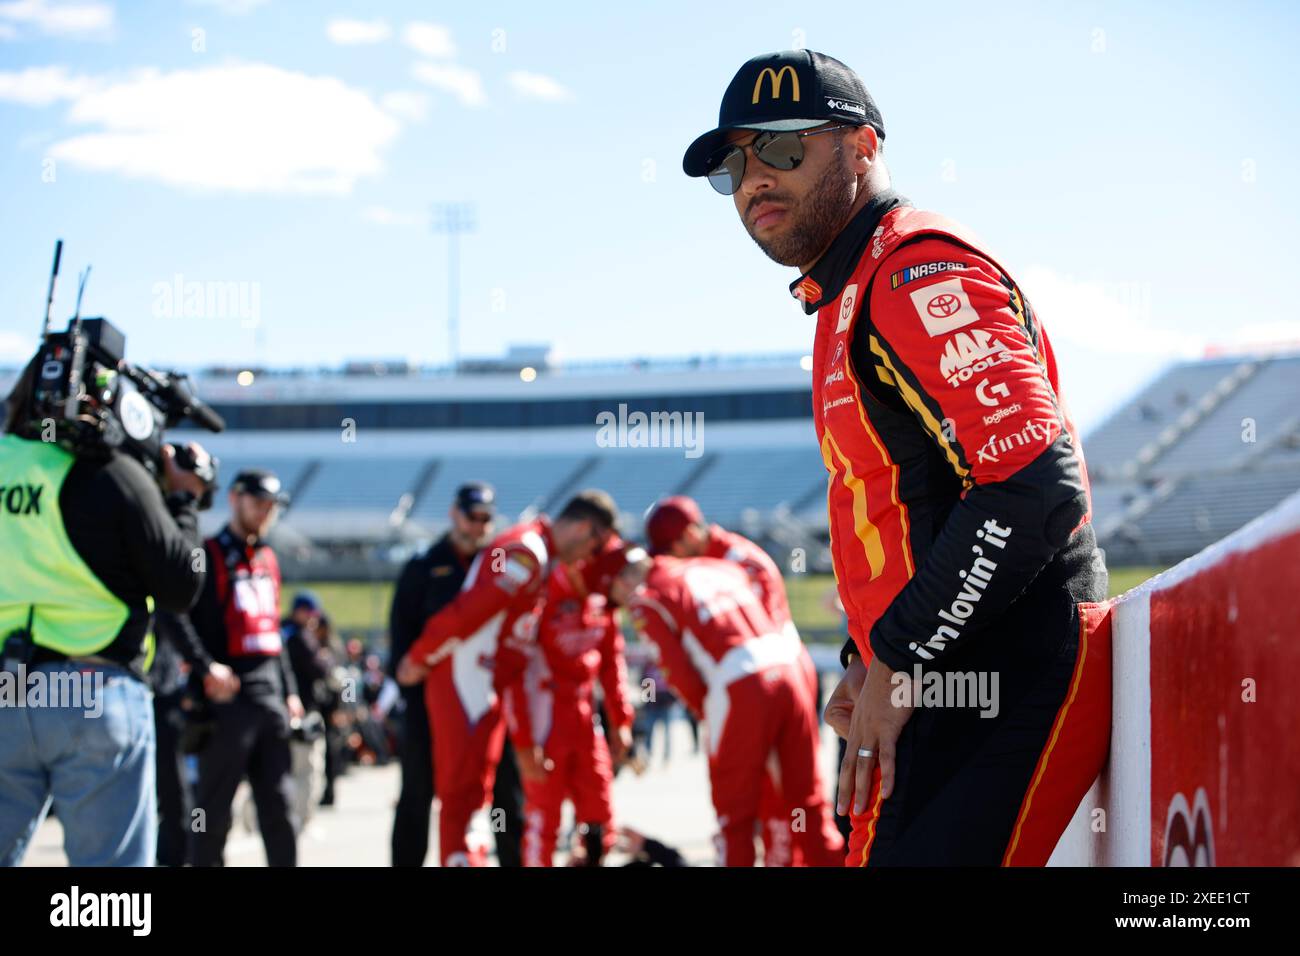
x=1225, y=692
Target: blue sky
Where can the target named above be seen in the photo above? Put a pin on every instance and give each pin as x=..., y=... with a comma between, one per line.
x=1131, y=164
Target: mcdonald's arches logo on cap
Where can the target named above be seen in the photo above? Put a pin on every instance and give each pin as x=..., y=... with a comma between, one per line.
x=777, y=76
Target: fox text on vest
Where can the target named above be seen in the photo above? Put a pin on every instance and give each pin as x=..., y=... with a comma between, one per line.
x=944, y=306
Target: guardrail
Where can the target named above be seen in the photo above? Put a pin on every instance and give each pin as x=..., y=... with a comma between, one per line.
x=1204, y=764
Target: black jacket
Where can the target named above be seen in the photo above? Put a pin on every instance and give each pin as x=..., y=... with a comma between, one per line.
x=136, y=542
x=426, y=585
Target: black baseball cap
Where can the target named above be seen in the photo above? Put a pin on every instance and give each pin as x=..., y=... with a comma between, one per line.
x=476, y=497
x=790, y=90
x=260, y=483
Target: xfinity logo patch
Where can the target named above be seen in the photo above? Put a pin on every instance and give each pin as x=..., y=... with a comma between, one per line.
x=943, y=307
x=975, y=580
x=1036, y=431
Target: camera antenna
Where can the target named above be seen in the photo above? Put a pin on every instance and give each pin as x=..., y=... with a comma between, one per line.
x=77, y=365
x=49, y=296
x=81, y=289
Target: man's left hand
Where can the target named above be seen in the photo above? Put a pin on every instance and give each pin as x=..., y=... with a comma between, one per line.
x=621, y=745
x=409, y=672
x=875, y=727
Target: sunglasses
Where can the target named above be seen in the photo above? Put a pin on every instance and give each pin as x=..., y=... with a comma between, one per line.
x=780, y=150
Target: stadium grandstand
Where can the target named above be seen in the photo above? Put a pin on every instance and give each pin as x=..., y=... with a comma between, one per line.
x=371, y=452
x=1202, y=450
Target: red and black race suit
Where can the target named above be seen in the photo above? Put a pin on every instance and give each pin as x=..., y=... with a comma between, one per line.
x=959, y=516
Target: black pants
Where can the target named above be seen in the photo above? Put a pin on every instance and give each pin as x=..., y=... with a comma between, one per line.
x=173, y=791
x=251, y=737
x=334, y=765
x=415, y=751
x=410, y=843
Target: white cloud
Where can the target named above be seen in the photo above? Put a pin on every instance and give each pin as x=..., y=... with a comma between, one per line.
x=537, y=86
x=354, y=32
x=384, y=216
x=1113, y=317
x=406, y=104
x=7, y=32
x=429, y=39
x=1278, y=332
x=43, y=85
x=239, y=127
x=85, y=19
x=461, y=81
x=235, y=8
x=15, y=347
x=34, y=140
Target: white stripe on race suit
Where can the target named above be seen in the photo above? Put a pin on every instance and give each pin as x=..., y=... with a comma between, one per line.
x=756, y=654
x=473, y=681
x=658, y=608
x=538, y=700
x=534, y=543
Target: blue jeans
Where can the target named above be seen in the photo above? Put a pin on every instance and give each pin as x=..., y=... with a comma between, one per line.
x=94, y=762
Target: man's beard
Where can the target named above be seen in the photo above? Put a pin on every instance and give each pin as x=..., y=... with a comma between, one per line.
x=817, y=220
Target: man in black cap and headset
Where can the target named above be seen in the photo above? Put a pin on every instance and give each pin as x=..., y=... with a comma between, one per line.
x=958, y=498
x=237, y=618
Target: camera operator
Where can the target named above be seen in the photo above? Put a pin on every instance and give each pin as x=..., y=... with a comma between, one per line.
x=237, y=619
x=87, y=540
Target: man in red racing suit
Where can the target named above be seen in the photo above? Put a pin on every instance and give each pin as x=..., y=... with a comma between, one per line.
x=476, y=646
x=731, y=664
x=676, y=526
x=551, y=708
x=957, y=495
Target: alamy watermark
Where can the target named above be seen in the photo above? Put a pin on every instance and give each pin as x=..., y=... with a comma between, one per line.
x=191, y=299
x=72, y=690
x=934, y=688
x=623, y=429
